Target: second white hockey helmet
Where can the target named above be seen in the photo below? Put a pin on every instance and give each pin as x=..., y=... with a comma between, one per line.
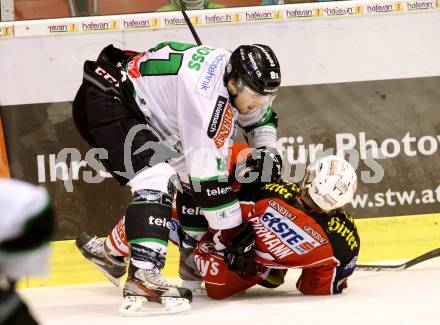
x=331, y=182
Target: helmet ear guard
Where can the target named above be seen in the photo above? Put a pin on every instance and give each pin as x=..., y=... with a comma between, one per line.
x=330, y=182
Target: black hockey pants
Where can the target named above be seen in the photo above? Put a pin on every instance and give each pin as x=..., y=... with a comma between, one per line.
x=104, y=122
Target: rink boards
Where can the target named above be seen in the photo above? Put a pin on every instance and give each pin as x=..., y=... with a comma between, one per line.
x=382, y=239
x=355, y=74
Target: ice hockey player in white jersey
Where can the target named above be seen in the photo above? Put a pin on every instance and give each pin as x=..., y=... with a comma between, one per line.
x=174, y=109
x=26, y=225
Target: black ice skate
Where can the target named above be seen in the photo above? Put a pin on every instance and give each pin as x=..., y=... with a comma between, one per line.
x=147, y=293
x=93, y=249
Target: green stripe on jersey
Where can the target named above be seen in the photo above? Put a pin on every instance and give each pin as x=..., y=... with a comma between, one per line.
x=209, y=179
x=149, y=240
x=266, y=117
x=271, y=124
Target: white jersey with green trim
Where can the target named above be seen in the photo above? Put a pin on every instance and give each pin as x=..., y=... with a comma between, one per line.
x=19, y=202
x=179, y=88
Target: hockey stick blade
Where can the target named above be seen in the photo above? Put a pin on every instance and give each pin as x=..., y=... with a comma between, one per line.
x=432, y=254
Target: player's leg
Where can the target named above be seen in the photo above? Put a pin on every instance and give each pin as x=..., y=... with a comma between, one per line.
x=98, y=117
x=193, y=226
x=147, y=227
x=274, y=278
x=108, y=124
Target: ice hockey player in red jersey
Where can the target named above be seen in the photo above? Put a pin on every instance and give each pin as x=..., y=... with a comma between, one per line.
x=178, y=107
x=295, y=227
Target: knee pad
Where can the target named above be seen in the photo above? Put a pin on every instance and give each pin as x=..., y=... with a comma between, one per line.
x=160, y=177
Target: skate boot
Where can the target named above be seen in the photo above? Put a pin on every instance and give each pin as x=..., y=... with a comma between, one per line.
x=191, y=277
x=147, y=293
x=93, y=249
x=274, y=279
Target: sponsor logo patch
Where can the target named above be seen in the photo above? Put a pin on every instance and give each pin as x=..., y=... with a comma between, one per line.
x=209, y=78
x=222, y=122
x=161, y=222
x=216, y=117
x=206, y=247
x=340, y=227
x=288, y=232
x=315, y=234
x=286, y=190
x=218, y=191
x=107, y=76
x=229, y=213
x=282, y=210
x=192, y=211
x=207, y=266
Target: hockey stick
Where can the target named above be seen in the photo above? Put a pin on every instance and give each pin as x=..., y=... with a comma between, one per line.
x=189, y=23
x=427, y=256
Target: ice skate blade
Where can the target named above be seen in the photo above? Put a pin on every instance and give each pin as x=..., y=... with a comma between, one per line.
x=139, y=306
x=115, y=281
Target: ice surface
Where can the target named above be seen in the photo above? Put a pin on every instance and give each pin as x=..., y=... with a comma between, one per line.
x=391, y=297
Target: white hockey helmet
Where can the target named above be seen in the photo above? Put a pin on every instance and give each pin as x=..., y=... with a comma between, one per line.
x=331, y=182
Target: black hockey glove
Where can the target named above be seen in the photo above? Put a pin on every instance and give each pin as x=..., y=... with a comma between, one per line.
x=263, y=166
x=240, y=247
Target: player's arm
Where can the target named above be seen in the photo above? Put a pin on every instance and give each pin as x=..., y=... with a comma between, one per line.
x=211, y=190
x=261, y=135
x=326, y=279
x=262, y=131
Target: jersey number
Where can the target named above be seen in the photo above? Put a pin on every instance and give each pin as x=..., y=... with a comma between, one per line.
x=165, y=67
x=162, y=67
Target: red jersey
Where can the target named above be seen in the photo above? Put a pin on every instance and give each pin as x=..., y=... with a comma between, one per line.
x=324, y=245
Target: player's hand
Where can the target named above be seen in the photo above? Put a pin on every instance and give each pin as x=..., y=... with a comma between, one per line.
x=263, y=166
x=240, y=247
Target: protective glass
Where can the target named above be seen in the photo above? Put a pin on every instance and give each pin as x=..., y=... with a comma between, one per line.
x=256, y=100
